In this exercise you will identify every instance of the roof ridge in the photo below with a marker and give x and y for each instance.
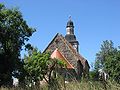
(51, 42)
(75, 53)
(66, 42)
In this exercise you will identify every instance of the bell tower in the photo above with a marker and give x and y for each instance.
(70, 37)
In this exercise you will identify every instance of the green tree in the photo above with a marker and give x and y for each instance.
(36, 65)
(112, 66)
(14, 32)
(107, 48)
(108, 59)
(39, 66)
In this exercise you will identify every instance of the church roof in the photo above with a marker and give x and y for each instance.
(73, 52)
(58, 55)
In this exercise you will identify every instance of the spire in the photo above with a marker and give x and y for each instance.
(70, 26)
(70, 23)
(70, 37)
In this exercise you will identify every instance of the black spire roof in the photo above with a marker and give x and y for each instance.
(70, 23)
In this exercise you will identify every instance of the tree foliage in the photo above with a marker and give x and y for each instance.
(107, 48)
(39, 66)
(108, 58)
(36, 65)
(14, 32)
(112, 66)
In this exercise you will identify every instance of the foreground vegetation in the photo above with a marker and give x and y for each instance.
(89, 85)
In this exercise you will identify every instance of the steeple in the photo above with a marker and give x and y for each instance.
(70, 26)
(70, 37)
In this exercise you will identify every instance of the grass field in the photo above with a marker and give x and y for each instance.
(89, 85)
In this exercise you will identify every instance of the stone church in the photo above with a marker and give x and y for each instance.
(67, 49)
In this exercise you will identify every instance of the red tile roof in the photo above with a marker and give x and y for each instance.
(58, 55)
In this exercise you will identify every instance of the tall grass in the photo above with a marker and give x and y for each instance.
(90, 85)
(83, 85)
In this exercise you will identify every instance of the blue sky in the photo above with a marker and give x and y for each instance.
(94, 21)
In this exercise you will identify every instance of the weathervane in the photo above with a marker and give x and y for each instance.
(70, 17)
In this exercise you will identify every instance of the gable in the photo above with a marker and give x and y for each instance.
(57, 54)
(66, 49)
